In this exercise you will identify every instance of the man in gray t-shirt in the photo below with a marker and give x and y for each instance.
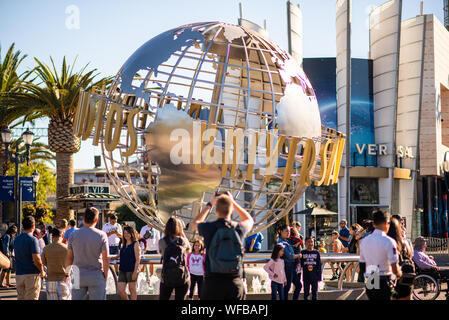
(88, 252)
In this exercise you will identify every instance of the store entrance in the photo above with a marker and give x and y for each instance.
(360, 213)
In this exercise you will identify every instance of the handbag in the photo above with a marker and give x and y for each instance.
(5, 263)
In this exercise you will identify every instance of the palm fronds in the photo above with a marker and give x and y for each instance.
(56, 96)
(11, 82)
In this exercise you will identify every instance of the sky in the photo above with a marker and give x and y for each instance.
(104, 33)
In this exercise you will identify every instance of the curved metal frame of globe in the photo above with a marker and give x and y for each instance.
(210, 107)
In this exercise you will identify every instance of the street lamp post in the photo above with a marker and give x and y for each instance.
(17, 159)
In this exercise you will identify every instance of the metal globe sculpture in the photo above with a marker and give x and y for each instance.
(210, 107)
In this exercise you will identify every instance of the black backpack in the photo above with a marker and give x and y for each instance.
(174, 266)
(408, 269)
(225, 252)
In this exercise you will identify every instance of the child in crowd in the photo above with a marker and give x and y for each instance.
(311, 265)
(295, 240)
(321, 248)
(276, 272)
(297, 244)
(337, 247)
(195, 263)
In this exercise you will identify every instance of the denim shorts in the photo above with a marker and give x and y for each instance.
(113, 250)
(125, 276)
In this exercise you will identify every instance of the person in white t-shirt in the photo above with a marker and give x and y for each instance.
(152, 237)
(114, 232)
(379, 252)
(39, 236)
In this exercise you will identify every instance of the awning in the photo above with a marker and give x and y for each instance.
(323, 212)
(91, 197)
(307, 211)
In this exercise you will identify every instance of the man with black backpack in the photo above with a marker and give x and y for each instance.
(224, 241)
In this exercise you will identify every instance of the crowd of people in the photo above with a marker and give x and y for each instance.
(75, 261)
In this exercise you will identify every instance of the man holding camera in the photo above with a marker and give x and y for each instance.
(223, 274)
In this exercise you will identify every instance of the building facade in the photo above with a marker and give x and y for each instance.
(399, 103)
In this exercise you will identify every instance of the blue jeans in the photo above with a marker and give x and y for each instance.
(292, 277)
(277, 288)
(92, 284)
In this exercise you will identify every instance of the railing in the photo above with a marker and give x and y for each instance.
(262, 258)
(437, 245)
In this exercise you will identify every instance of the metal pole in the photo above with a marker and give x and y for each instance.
(348, 112)
(17, 189)
(20, 206)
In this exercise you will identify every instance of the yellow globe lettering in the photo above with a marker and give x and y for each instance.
(110, 140)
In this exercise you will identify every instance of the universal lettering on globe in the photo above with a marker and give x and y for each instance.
(203, 140)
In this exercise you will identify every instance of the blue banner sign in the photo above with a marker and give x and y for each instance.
(6, 189)
(27, 188)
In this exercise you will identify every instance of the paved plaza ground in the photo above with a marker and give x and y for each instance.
(442, 260)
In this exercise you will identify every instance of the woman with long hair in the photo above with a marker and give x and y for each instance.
(290, 263)
(401, 291)
(355, 231)
(7, 249)
(175, 274)
(129, 254)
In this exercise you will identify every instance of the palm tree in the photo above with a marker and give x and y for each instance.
(56, 97)
(10, 81)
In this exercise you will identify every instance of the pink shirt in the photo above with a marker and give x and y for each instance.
(195, 263)
(276, 267)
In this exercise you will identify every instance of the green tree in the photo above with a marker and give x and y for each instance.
(45, 187)
(47, 179)
(56, 97)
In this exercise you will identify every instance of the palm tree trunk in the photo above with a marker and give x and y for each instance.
(64, 178)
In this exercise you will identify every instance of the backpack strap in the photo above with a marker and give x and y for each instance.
(166, 243)
(226, 223)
